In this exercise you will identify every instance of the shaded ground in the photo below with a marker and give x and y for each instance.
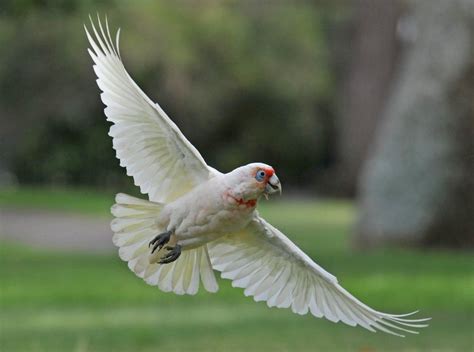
(70, 219)
(53, 229)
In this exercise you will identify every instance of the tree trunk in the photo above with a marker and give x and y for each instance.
(417, 187)
(374, 54)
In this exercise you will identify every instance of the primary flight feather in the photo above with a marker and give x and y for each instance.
(198, 219)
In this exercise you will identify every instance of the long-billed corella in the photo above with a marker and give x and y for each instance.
(198, 219)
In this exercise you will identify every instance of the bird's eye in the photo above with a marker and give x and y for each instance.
(260, 176)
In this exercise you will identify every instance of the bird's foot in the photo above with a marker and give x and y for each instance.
(160, 240)
(172, 255)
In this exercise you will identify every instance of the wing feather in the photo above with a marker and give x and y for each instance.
(163, 163)
(269, 267)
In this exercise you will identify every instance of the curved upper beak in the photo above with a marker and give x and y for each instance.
(273, 185)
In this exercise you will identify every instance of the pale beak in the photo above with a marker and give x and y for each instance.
(273, 185)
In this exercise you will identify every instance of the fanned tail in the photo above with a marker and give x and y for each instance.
(134, 227)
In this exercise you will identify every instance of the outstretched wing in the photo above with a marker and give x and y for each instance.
(271, 268)
(151, 147)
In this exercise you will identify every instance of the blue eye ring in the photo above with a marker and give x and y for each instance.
(260, 175)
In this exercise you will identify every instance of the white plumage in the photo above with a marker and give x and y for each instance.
(208, 215)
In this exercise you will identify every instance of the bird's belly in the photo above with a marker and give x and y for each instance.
(202, 227)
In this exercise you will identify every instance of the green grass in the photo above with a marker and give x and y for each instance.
(54, 301)
(85, 201)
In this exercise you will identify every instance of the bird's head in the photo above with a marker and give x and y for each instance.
(254, 180)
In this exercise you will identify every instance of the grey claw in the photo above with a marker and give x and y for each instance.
(174, 254)
(160, 240)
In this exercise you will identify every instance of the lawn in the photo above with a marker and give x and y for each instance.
(56, 301)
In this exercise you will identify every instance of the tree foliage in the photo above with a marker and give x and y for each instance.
(245, 82)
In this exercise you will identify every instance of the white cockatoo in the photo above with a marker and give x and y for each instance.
(198, 219)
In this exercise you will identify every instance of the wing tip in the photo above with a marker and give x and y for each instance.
(399, 322)
(102, 44)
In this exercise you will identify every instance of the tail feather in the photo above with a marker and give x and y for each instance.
(207, 273)
(134, 227)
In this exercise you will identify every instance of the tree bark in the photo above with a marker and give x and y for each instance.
(417, 187)
(374, 54)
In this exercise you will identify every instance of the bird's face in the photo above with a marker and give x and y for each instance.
(257, 179)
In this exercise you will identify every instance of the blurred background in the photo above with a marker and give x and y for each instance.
(365, 108)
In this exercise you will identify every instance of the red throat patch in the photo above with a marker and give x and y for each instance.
(239, 201)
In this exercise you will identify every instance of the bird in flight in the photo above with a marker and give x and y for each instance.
(198, 219)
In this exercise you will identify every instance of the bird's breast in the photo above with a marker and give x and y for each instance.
(208, 215)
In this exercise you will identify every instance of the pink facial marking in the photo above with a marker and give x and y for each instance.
(269, 172)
